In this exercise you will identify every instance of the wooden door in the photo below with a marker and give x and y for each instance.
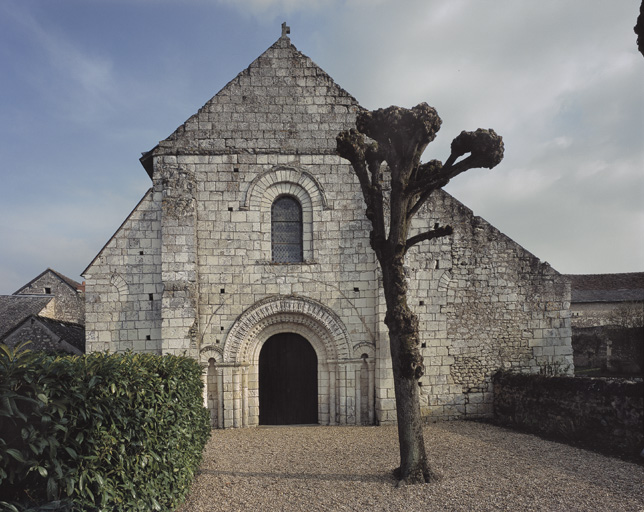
(288, 381)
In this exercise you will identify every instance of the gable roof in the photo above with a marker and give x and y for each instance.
(74, 334)
(74, 285)
(283, 102)
(607, 287)
(65, 336)
(14, 309)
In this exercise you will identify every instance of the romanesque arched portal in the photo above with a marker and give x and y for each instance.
(340, 372)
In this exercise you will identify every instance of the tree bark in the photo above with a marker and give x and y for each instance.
(408, 367)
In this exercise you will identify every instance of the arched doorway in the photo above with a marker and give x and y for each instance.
(288, 381)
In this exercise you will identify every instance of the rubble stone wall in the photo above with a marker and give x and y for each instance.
(605, 414)
(484, 304)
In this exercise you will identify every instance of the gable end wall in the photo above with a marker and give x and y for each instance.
(120, 283)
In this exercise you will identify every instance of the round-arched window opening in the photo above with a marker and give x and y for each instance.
(286, 230)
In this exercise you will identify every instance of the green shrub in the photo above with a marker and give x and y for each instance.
(99, 432)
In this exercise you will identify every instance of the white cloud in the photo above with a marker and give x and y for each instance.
(560, 81)
(270, 9)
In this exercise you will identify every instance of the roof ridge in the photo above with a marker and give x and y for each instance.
(67, 280)
(199, 134)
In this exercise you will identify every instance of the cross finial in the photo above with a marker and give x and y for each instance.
(285, 30)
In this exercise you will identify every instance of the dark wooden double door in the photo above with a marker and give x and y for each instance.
(288, 381)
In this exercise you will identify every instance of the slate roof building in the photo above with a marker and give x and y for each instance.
(49, 312)
(15, 309)
(70, 295)
(595, 297)
(250, 253)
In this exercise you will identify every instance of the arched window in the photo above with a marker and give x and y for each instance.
(286, 230)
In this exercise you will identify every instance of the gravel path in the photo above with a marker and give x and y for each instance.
(349, 468)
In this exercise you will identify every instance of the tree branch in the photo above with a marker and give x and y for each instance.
(437, 232)
(366, 160)
(485, 149)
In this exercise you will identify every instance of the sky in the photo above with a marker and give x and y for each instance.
(86, 86)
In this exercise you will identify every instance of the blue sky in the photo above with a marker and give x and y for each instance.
(87, 85)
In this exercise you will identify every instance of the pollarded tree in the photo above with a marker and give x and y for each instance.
(398, 136)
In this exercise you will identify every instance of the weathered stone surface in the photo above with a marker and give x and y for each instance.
(69, 303)
(190, 270)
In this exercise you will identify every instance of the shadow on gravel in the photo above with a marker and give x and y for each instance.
(378, 478)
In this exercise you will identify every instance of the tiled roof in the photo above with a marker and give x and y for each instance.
(73, 334)
(67, 337)
(71, 282)
(607, 287)
(14, 309)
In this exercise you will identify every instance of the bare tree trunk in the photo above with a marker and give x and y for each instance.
(407, 369)
(414, 466)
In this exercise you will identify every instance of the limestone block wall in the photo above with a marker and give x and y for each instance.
(50, 310)
(175, 189)
(235, 272)
(190, 271)
(484, 304)
(123, 286)
(283, 103)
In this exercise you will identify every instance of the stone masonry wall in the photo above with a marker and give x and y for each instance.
(234, 264)
(604, 414)
(69, 304)
(123, 286)
(484, 304)
(175, 189)
(199, 246)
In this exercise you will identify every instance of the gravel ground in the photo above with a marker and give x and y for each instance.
(349, 468)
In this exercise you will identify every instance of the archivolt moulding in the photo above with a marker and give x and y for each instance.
(281, 313)
(286, 175)
(210, 352)
(119, 283)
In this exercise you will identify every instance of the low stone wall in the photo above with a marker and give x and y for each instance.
(598, 413)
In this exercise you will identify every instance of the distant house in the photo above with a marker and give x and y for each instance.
(607, 318)
(69, 304)
(49, 311)
(595, 298)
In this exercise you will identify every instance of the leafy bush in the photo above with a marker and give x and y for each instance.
(99, 432)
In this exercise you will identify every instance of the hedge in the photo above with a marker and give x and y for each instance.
(99, 432)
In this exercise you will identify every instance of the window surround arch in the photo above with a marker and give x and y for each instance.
(285, 181)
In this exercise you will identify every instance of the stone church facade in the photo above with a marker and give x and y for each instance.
(251, 253)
